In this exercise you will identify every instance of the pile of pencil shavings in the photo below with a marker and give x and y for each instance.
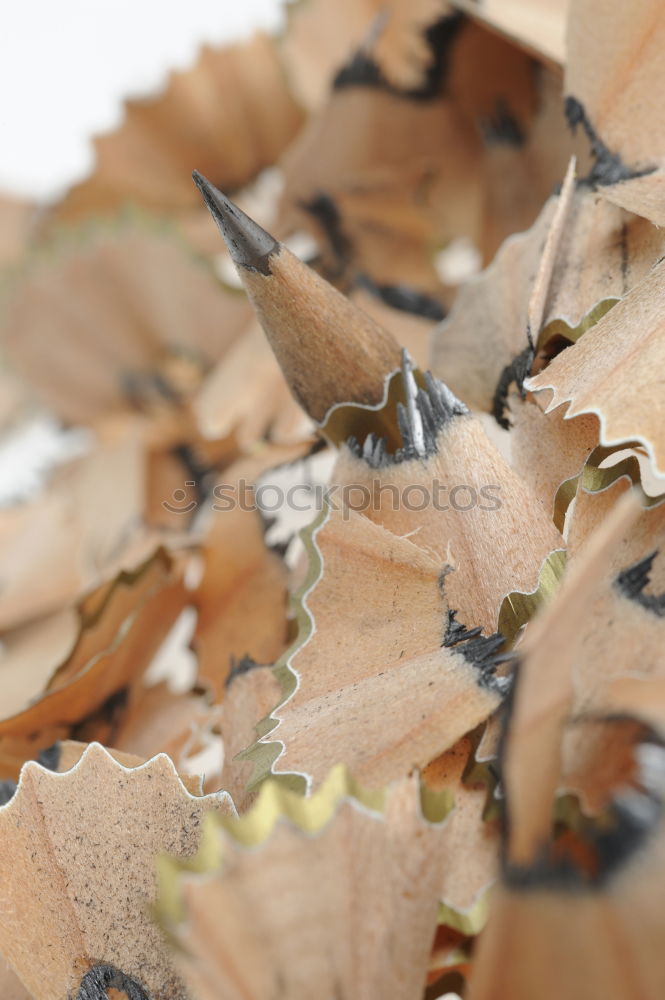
(367, 529)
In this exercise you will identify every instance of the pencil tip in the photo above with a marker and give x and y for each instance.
(250, 246)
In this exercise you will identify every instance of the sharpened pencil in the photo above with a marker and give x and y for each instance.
(330, 351)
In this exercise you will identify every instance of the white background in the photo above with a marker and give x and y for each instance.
(65, 66)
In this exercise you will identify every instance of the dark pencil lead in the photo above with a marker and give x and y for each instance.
(410, 417)
(425, 413)
(250, 246)
(406, 433)
(368, 448)
(415, 432)
(419, 420)
(445, 404)
(481, 651)
(373, 451)
(457, 632)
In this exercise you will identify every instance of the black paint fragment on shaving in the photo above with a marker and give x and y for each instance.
(363, 71)
(404, 298)
(502, 128)
(99, 980)
(323, 209)
(240, 666)
(516, 372)
(608, 168)
(632, 581)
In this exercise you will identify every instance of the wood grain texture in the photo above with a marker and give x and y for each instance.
(66, 833)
